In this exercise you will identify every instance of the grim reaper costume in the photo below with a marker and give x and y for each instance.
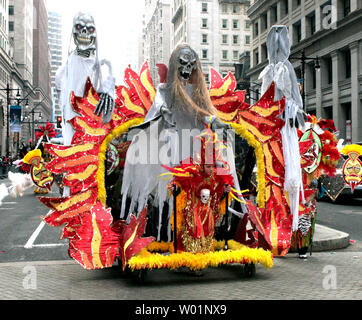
(181, 110)
(281, 72)
(83, 63)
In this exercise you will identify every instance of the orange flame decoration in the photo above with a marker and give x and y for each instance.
(86, 221)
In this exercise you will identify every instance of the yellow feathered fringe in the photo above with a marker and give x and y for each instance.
(244, 133)
(237, 253)
(102, 196)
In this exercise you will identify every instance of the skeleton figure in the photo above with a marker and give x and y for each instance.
(205, 196)
(181, 108)
(82, 63)
(187, 61)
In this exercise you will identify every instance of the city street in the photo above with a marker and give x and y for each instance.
(325, 275)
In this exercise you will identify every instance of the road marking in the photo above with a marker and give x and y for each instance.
(49, 245)
(35, 234)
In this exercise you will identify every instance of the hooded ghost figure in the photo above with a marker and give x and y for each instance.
(282, 73)
(181, 108)
(82, 63)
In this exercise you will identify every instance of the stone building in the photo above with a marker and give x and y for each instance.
(56, 51)
(218, 30)
(330, 30)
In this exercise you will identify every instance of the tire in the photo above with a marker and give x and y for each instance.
(141, 276)
(249, 270)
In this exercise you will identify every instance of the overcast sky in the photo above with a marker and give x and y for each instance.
(118, 25)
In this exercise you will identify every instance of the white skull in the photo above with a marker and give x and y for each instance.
(205, 195)
(84, 32)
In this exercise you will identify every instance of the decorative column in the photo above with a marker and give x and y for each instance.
(337, 118)
(355, 101)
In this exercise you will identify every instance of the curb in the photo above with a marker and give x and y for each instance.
(327, 239)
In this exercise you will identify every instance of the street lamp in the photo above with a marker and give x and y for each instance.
(303, 60)
(8, 102)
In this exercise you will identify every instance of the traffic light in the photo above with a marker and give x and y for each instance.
(59, 122)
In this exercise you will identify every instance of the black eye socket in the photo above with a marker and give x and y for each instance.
(78, 26)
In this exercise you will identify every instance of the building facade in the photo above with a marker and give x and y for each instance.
(157, 35)
(41, 61)
(329, 30)
(56, 51)
(218, 30)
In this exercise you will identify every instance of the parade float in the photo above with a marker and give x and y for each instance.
(173, 214)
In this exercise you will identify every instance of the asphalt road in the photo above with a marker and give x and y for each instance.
(23, 237)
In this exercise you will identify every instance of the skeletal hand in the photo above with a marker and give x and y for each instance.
(167, 115)
(105, 106)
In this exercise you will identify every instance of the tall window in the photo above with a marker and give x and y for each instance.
(204, 23)
(235, 39)
(235, 8)
(224, 39)
(224, 23)
(297, 32)
(247, 24)
(235, 24)
(204, 7)
(247, 39)
(11, 10)
(256, 29)
(204, 53)
(347, 63)
(224, 8)
(346, 7)
(235, 55)
(204, 38)
(224, 54)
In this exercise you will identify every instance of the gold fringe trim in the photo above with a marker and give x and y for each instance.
(198, 261)
(244, 133)
(102, 196)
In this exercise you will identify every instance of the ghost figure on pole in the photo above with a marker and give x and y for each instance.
(83, 63)
(281, 72)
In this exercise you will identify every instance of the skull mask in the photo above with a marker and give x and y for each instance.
(187, 64)
(205, 195)
(84, 32)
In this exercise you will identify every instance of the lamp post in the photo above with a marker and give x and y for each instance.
(8, 102)
(303, 58)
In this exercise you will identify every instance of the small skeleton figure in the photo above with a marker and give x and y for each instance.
(83, 63)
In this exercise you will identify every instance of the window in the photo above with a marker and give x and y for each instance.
(264, 52)
(297, 32)
(285, 7)
(204, 7)
(11, 25)
(256, 28)
(347, 63)
(264, 21)
(204, 23)
(207, 79)
(274, 13)
(247, 39)
(224, 8)
(346, 7)
(235, 55)
(224, 39)
(224, 54)
(235, 8)
(256, 57)
(204, 38)
(235, 39)
(224, 23)
(329, 69)
(247, 24)
(311, 23)
(204, 54)
(11, 10)
(235, 24)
